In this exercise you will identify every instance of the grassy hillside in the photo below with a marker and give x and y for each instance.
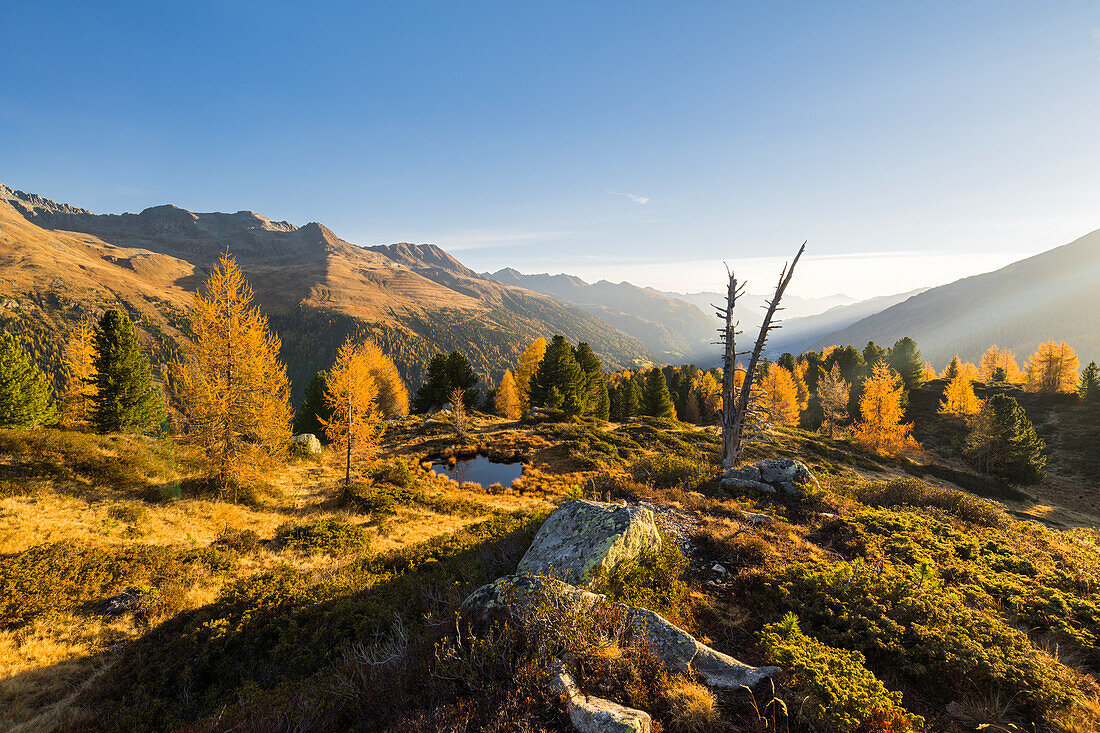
(309, 608)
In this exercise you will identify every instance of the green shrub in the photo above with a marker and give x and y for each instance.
(841, 694)
(396, 472)
(671, 472)
(331, 535)
(238, 540)
(911, 492)
(653, 580)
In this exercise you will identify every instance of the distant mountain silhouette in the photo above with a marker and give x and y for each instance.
(1055, 294)
(674, 330)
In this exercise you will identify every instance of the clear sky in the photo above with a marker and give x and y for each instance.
(909, 142)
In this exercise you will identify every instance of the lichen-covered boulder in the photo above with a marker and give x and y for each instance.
(679, 651)
(306, 443)
(590, 714)
(779, 474)
(508, 598)
(582, 536)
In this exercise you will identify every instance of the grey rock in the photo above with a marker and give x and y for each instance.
(745, 473)
(309, 441)
(785, 471)
(679, 650)
(508, 598)
(583, 536)
(728, 483)
(120, 603)
(590, 714)
(758, 520)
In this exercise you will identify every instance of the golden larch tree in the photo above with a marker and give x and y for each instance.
(779, 397)
(76, 400)
(959, 399)
(969, 371)
(710, 394)
(997, 358)
(880, 428)
(528, 364)
(833, 392)
(354, 399)
(393, 395)
(928, 372)
(799, 374)
(507, 401)
(228, 385)
(1052, 369)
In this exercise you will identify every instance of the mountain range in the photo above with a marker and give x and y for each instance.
(60, 263)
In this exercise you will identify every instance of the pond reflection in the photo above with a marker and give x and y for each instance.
(480, 470)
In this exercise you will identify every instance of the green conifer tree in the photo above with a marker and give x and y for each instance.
(594, 377)
(633, 401)
(314, 408)
(1003, 442)
(602, 410)
(1090, 383)
(559, 371)
(24, 391)
(905, 359)
(435, 391)
(126, 400)
(658, 402)
(872, 353)
(460, 375)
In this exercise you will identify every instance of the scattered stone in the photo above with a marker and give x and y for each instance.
(826, 515)
(582, 536)
(736, 483)
(718, 568)
(309, 443)
(759, 520)
(124, 602)
(590, 714)
(508, 597)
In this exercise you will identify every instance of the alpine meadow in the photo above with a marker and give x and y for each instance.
(676, 368)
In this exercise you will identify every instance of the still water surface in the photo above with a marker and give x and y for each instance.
(480, 470)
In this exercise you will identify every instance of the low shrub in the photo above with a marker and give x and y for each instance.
(238, 540)
(671, 472)
(911, 492)
(331, 535)
(127, 513)
(841, 694)
(653, 580)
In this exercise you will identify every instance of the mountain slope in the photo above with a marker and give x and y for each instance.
(800, 334)
(674, 330)
(60, 263)
(1051, 295)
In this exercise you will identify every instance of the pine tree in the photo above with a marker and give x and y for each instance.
(997, 358)
(446, 372)
(528, 364)
(1052, 369)
(352, 397)
(952, 369)
(658, 402)
(881, 430)
(593, 376)
(559, 371)
(506, 401)
(126, 398)
(1003, 442)
(314, 411)
(1090, 383)
(76, 399)
(905, 359)
(24, 390)
(435, 390)
(852, 365)
(959, 399)
(780, 396)
(229, 384)
(602, 410)
(634, 400)
(872, 354)
(833, 394)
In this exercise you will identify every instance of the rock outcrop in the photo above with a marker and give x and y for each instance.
(582, 537)
(779, 474)
(307, 443)
(594, 714)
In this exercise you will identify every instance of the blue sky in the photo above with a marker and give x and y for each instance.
(910, 143)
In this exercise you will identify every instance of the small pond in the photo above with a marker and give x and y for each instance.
(479, 470)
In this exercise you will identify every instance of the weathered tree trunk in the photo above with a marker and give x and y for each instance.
(737, 412)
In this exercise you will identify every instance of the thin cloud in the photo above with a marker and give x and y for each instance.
(632, 197)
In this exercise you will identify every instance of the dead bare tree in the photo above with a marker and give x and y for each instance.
(738, 414)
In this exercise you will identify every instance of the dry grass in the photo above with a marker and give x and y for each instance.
(692, 707)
